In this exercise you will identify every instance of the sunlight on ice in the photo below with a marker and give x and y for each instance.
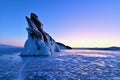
(93, 55)
(90, 53)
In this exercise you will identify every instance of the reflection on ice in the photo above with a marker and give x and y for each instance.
(94, 55)
(89, 53)
(99, 63)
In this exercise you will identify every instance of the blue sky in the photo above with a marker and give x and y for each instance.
(78, 23)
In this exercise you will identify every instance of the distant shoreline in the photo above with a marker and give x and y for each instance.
(109, 48)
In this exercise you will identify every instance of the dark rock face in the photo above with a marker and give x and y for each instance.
(39, 42)
(62, 46)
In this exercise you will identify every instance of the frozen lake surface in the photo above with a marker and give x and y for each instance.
(65, 65)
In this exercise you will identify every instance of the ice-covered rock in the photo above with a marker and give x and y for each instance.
(38, 42)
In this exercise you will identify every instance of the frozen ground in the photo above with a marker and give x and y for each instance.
(65, 65)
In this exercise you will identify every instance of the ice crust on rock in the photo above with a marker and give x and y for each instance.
(39, 42)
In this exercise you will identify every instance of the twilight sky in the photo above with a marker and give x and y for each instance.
(77, 23)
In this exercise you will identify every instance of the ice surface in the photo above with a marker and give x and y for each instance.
(65, 65)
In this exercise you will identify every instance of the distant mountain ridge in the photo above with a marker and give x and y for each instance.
(108, 48)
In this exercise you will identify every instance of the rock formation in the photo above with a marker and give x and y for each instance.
(38, 42)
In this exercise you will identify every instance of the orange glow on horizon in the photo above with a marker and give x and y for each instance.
(88, 43)
(20, 44)
(82, 42)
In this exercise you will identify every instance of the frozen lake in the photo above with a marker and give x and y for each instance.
(65, 65)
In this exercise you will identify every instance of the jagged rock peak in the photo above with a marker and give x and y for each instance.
(38, 42)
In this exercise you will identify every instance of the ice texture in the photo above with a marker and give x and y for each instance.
(64, 65)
